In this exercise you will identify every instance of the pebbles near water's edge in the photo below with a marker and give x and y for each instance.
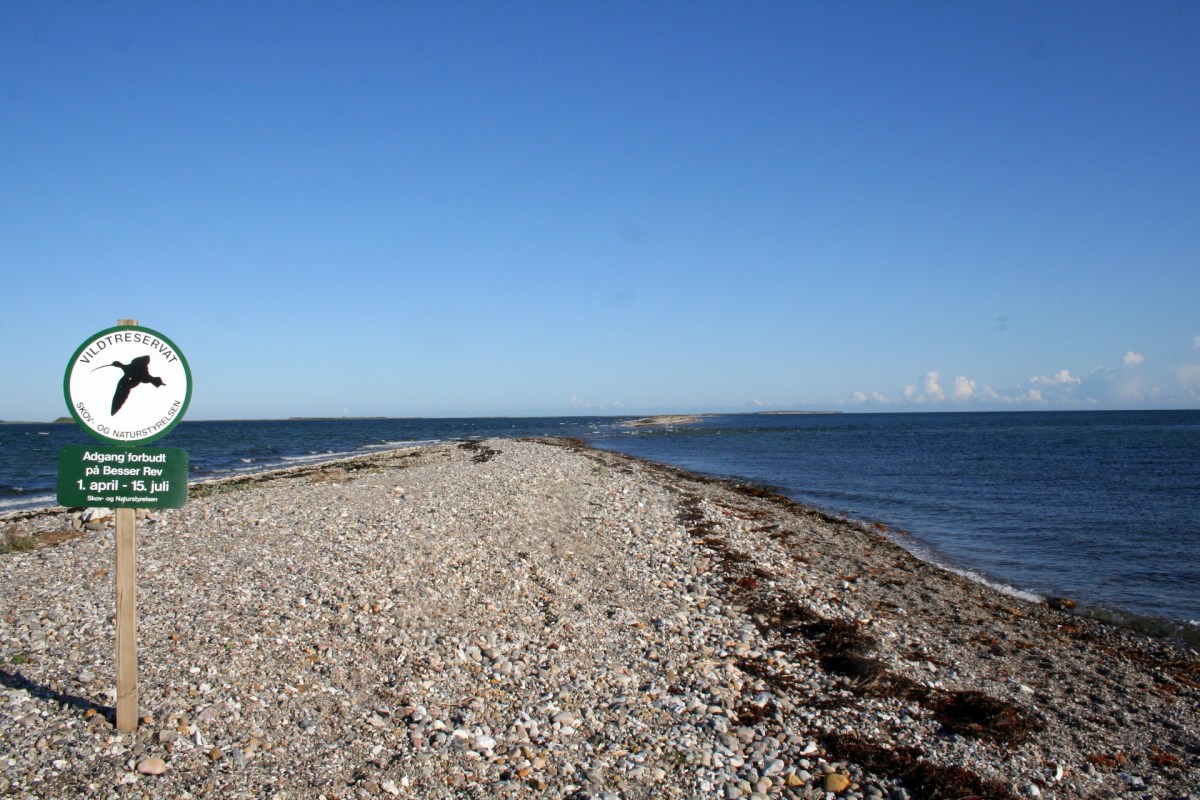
(538, 619)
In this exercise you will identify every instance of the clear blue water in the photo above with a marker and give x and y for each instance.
(1101, 507)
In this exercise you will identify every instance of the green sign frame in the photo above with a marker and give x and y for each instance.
(151, 414)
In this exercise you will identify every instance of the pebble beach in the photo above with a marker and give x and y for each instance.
(538, 619)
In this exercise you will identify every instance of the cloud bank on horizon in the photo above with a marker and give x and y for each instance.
(1130, 383)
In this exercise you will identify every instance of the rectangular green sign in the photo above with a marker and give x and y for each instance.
(122, 477)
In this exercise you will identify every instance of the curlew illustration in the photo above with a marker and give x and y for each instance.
(136, 372)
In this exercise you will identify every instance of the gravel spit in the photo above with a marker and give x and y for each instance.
(536, 619)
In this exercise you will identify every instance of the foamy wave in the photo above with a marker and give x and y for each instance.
(404, 443)
(33, 501)
(316, 457)
(999, 586)
(929, 555)
(249, 466)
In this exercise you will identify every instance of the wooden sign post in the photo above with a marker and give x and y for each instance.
(125, 477)
(127, 686)
(126, 572)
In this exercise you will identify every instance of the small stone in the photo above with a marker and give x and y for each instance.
(152, 766)
(836, 782)
(390, 787)
(564, 718)
(214, 754)
(1134, 781)
(793, 780)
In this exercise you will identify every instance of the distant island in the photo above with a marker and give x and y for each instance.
(801, 413)
(312, 419)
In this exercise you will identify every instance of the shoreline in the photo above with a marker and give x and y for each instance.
(1176, 630)
(536, 618)
(1172, 630)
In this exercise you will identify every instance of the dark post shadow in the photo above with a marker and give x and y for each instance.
(15, 680)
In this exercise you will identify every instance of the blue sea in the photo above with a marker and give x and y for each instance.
(1101, 507)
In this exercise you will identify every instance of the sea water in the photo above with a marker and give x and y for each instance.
(1100, 507)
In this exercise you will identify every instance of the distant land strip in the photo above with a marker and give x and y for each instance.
(800, 413)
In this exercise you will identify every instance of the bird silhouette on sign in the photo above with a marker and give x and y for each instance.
(136, 372)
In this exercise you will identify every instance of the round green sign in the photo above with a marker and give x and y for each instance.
(128, 385)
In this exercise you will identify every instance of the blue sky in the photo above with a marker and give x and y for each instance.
(445, 209)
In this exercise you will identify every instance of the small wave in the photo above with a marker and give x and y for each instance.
(32, 501)
(929, 555)
(1183, 630)
(999, 586)
(314, 457)
(404, 443)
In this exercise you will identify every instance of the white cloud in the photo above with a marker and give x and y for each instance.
(929, 385)
(992, 395)
(1128, 384)
(1196, 343)
(929, 391)
(576, 402)
(1062, 378)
